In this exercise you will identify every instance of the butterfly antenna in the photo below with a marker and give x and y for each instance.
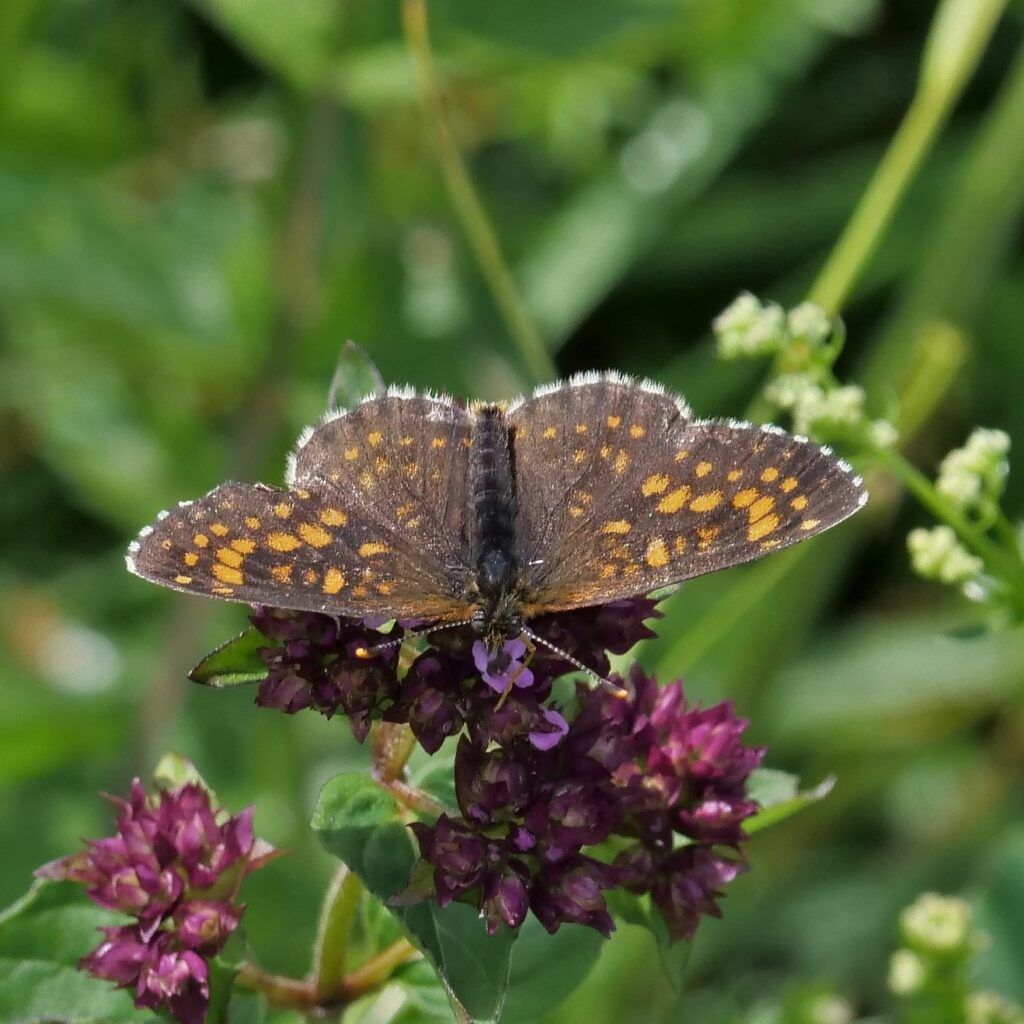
(615, 689)
(372, 652)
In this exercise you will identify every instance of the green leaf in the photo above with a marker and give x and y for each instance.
(234, 662)
(175, 770)
(546, 969)
(780, 796)
(355, 376)
(42, 938)
(358, 821)
(640, 911)
(1000, 912)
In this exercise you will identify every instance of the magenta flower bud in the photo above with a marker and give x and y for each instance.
(204, 926)
(179, 981)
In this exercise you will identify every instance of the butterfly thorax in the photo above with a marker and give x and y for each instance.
(495, 584)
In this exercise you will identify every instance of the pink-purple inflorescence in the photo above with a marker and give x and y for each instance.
(556, 805)
(174, 867)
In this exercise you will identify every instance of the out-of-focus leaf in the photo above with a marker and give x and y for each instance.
(234, 663)
(1000, 909)
(641, 911)
(546, 969)
(780, 796)
(175, 770)
(355, 376)
(358, 821)
(297, 39)
(42, 937)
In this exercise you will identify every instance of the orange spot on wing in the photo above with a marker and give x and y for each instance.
(333, 517)
(281, 573)
(706, 502)
(579, 455)
(219, 529)
(375, 438)
(405, 441)
(707, 534)
(580, 428)
(334, 580)
(809, 524)
(703, 468)
(616, 526)
(637, 431)
(621, 462)
(244, 545)
(184, 580)
(283, 542)
(682, 456)
(760, 508)
(315, 536)
(654, 484)
(657, 554)
(674, 500)
(351, 454)
(438, 442)
(733, 475)
(371, 548)
(190, 558)
(799, 502)
(770, 474)
(764, 526)
(741, 499)
(788, 484)
(549, 432)
(229, 557)
(282, 510)
(200, 540)
(613, 421)
(227, 574)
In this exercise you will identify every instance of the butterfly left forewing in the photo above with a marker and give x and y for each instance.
(654, 499)
(299, 549)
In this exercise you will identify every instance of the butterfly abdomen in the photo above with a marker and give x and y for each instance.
(492, 502)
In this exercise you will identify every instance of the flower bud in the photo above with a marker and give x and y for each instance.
(937, 554)
(749, 328)
(937, 924)
(907, 972)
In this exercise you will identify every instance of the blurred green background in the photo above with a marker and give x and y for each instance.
(199, 202)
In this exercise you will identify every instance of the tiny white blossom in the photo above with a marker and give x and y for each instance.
(906, 972)
(936, 923)
(809, 322)
(990, 1008)
(937, 554)
(883, 434)
(748, 327)
(830, 1009)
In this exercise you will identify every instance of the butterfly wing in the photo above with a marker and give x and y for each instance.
(621, 492)
(374, 523)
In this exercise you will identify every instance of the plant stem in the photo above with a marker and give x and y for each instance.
(959, 34)
(392, 745)
(469, 209)
(338, 911)
(376, 971)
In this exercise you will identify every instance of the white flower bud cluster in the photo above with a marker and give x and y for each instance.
(936, 554)
(973, 477)
(818, 411)
(938, 924)
(829, 1008)
(809, 323)
(748, 327)
(990, 1008)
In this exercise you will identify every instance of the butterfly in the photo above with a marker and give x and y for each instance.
(413, 506)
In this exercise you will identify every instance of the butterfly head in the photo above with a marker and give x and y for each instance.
(497, 616)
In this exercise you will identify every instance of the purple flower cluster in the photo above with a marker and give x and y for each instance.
(644, 793)
(175, 866)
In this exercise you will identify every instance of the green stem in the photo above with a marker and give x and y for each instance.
(960, 31)
(375, 972)
(337, 913)
(476, 225)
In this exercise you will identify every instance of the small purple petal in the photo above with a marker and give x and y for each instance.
(548, 738)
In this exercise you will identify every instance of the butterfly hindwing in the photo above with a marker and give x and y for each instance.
(637, 495)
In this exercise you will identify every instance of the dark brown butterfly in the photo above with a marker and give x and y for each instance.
(412, 506)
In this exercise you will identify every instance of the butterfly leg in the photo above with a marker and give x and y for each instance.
(531, 650)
